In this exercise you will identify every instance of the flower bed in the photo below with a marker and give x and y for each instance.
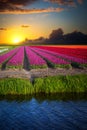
(35, 60)
(75, 52)
(50, 57)
(7, 55)
(61, 55)
(17, 59)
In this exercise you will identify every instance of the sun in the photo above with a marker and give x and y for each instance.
(16, 40)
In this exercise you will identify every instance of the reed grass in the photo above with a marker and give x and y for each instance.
(15, 86)
(47, 85)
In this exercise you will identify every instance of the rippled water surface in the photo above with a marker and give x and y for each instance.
(43, 113)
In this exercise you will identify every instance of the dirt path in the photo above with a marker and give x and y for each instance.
(15, 73)
(57, 71)
(34, 73)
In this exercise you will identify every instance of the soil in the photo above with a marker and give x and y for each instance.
(26, 64)
(35, 73)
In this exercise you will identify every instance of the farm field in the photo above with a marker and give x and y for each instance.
(43, 65)
(33, 57)
(46, 68)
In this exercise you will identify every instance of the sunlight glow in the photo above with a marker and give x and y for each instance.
(16, 40)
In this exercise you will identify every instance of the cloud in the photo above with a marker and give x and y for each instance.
(24, 26)
(14, 5)
(80, 1)
(65, 2)
(3, 29)
(29, 11)
(18, 6)
(17, 2)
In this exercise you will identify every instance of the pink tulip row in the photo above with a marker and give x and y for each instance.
(66, 57)
(33, 58)
(4, 57)
(17, 59)
(50, 57)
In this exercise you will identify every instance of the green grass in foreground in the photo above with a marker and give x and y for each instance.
(56, 84)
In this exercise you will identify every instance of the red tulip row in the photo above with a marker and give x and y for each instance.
(75, 52)
(50, 57)
(64, 53)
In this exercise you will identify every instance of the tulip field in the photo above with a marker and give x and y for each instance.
(17, 59)
(67, 57)
(43, 56)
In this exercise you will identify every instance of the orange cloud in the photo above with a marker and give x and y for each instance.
(17, 6)
(3, 29)
(29, 11)
(24, 26)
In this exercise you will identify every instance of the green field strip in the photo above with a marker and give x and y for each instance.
(38, 66)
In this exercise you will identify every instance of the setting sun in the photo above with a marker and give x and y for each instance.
(16, 40)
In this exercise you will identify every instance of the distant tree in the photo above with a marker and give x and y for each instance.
(56, 34)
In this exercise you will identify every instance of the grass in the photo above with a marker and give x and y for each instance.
(15, 86)
(6, 47)
(21, 66)
(47, 85)
(67, 66)
(84, 65)
(14, 66)
(38, 66)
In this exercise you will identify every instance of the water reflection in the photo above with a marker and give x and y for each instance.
(42, 97)
(41, 112)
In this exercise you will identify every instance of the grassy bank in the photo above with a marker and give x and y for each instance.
(56, 84)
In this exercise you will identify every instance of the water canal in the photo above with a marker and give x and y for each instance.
(51, 112)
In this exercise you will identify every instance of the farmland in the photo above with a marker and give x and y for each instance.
(45, 69)
(32, 57)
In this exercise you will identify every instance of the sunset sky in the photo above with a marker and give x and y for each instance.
(21, 19)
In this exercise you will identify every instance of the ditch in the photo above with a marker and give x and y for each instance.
(26, 64)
